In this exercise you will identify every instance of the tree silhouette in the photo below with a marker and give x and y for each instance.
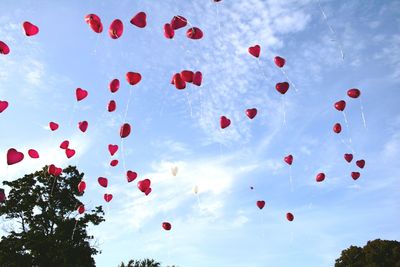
(46, 229)
(141, 263)
(376, 253)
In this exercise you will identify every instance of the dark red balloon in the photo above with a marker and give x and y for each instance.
(355, 175)
(108, 197)
(81, 209)
(133, 78)
(114, 163)
(148, 191)
(224, 122)
(131, 176)
(64, 144)
(288, 159)
(320, 177)
(178, 22)
(14, 156)
(167, 226)
(139, 20)
(112, 149)
(360, 163)
(33, 153)
(354, 93)
(81, 186)
(187, 76)
(337, 128)
(114, 85)
(3, 106)
(112, 105)
(260, 204)
(340, 105)
(255, 50)
(4, 49)
(116, 29)
(251, 113)
(197, 78)
(194, 33)
(81, 94)
(30, 29)
(83, 125)
(103, 181)
(144, 185)
(53, 126)
(2, 195)
(289, 216)
(282, 87)
(94, 22)
(69, 153)
(279, 61)
(178, 81)
(125, 130)
(169, 32)
(348, 157)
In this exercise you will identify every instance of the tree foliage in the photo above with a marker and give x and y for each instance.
(376, 253)
(141, 263)
(46, 229)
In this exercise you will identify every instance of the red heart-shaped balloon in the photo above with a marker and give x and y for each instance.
(139, 20)
(320, 177)
(69, 152)
(288, 159)
(197, 78)
(51, 169)
(114, 85)
(167, 226)
(260, 204)
(53, 126)
(255, 50)
(178, 22)
(116, 29)
(148, 191)
(187, 76)
(125, 130)
(133, 78)
(14, 156)
(33, 153)
(355, 175)
(3, 105)
(4, 49)
(64, 144)
(112, 105)
(194, 33)
(102, 181)
(348, 157)
(108, 197)
(81, 186)
(30, 29)
(224, 122)
(360, 163)
(112, 149)
(81, 209)
(340, 105)
(337, 128)
(83, 125)
(2, 195)
(94, 22)
(114, 163)
(289, 216)
(251, 113)
(354, 93)
(57, 171)
(81, 94)
(130, 176)
(143, 185)
(282, 87)
(279, 61)
(168, 31)
(178, 81)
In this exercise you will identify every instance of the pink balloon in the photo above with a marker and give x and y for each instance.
(69, 152)
(83, 125)
(81, 94)
(108, 197)
(112, 149)
(288, 159)
(139, 20)
(14, 156)
(30, 29)
(64, 144)
(4, 49)
(143, 185)
(3, 106)
(33, 153)
(53, 126)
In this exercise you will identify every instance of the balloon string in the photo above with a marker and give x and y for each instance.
(284, 110)
(291, 178)
(348, 146)
(198, 201)
(122, 140)
(347, 127)
(287, 77)
(73, 231)
(362, 114)
(54, 183)
(335, 39)
(190, 104)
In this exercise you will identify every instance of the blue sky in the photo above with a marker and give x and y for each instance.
(223, 227)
